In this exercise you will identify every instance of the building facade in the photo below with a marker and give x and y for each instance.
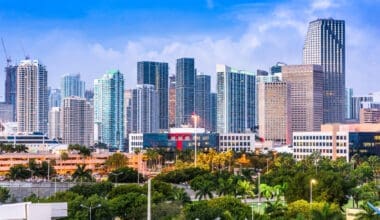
(185, 90)
(306, 94)
(32, 96)
(157, 74)
(349, 95)
(109, 108)
(55, 123)
(127, 112)
(145, 117)
(202, 101)
(275, 112)
(236, 100)
(369, 115)
(77, 121)
(213, 107)
(11, 88)
(72, 85)
(325, 46)
(172, 98)
(54, 98)
(238, 142)
(6, 112)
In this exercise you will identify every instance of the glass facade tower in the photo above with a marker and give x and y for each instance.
(71, 85)
(108, 109)
(325, 45)
(202, 101)
(236, 100)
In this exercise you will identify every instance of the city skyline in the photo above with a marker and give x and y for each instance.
(253, 29)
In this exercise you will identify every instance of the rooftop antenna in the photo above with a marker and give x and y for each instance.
(8, 58)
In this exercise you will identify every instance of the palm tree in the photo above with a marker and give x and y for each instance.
(275, 209)
(326, 213)
(81, 173)
(266, 190)
(224, 186)
(245, 188)
(367, 214)
(204, 190)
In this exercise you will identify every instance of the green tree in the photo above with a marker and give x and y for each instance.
(326, 213)
(116, 161)
(124, 175)
(131, 205)
(82, 174)
(19, 172)
(204, 185)
(367, 214)
(245, 188)
(4, 194)
(89, 189)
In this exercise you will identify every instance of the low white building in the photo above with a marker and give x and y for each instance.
(237, 142)
(33, 211)
(135, 141)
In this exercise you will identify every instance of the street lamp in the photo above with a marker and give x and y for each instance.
(195, 118)
(116, 175)
(90, 208)
(312, 181)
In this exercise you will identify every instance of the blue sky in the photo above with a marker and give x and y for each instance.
(90, 37)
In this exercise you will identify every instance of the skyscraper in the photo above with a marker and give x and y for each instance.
(172, 104)
(32, 96)
(77, 121)
(11, 88)
(127, 112)
(185, 90)
(213, 107)
(274, 112)
(156, 73)
(306, 94)
(349, 94)
(325, 45)
(144, 104)
(236, 100)
(55, 123)
(54, 98)
(71, 85)
(108, 108)
(202, 101)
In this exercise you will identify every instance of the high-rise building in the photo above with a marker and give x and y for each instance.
(325, 45)
(348, 101)
(77, 121)
(89, 95)
(213, 107)
(277, 68)
(185, 91)
(359, 102)
(127, 112)
(306, 94)
(156, 73)
(32, 96)
(202, 101)
(144, 115)
(11, 88)
(109, 108)
(172, 101)
(55, 123)
(54, 98)
(236, 100)
(6, 112)
(274, 112)
(369, 115)
(72, 85)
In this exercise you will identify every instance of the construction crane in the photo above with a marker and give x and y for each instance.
(8, 58)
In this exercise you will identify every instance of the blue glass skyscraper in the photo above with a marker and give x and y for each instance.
(71, 85)
(108, 109)
(185, 89)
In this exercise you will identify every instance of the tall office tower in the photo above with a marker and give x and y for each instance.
(71, 85)
(348, 101)
(213, 107)
(185, 91)
(77, 121)
(306, 94)
(156, 73)
(55, 123)
(325, 45)
(89, 95)
(127, 112)
(54, 98)
(359, 102)
(172, 101)
(11, 88)
(6, 112)
(32, 96)
(236, 100)
(274, 112)
(144, 109)
(202, 101)
(108, 108)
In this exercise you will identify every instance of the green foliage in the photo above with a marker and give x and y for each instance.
(116, 161)
(181, 176)
(82, 174)
(82, 150)
(125, 189)
(204, 185)
(316, 211)
(129, 206)
(124, 175)
(223, 207)
(42, 169)
(166, 211)
(101, 189)
(9, 148)
(4, 194)
(19, 172)
(367, 213)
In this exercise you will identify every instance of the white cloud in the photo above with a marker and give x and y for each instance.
(323, 4)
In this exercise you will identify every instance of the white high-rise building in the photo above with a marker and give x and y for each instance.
(145, 114)
(77, 120)
(32, 96)
(55, 123)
